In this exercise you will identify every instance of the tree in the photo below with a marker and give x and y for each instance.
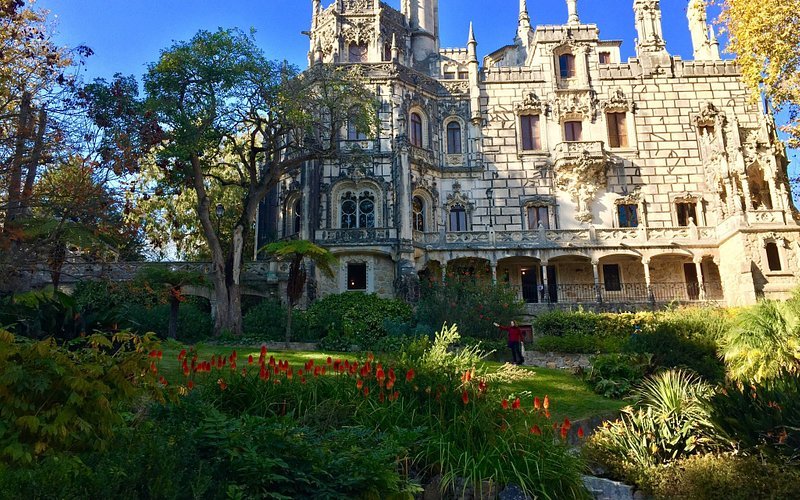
(297, 252)
(172, 283)
(219, 105)
(765, 36)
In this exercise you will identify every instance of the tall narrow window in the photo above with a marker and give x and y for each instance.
(617, 130)
(628, 215)
(686, 211)
(353, 131)
(537, 216)
(453, 138)
(415, 132)
(773, 257)
(611, 278)
(566, 64)
(605, 57)
(357, 53)
(387, 51)
(298, 216)
(418, 214)
(357, 276)
(458, 218)
(573, 131)
(531, 139)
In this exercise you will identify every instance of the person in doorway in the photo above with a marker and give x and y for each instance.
(515, 335)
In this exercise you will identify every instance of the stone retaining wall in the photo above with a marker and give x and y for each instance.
(558, 361)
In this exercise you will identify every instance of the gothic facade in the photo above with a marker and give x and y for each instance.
(552, 165)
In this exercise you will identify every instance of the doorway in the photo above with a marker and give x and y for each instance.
(530, 286)
(692, 282)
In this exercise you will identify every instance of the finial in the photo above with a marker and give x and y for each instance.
(523, 11)
(572, 9)
(395, 48)
(471, 34)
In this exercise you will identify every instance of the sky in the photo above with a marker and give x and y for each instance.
(126, 35)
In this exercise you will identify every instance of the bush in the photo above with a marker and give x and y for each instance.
(761, 419)
(671, 422)
(579, 344)
(615, 375)
(587, 324)
(673, 348)
(705, 477)
(194, 324)
(471, 302)
(354, 319)
(267, 322)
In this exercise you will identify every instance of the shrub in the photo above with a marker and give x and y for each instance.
(57, 399)
(473, 302)
(673, 348)
(266, 321)
(710, 476)
(581, 323)
(579, 343)
(760, 419)
(615, 375)
(194, 324)
(349, 319)
(765, 343)
(671, 422)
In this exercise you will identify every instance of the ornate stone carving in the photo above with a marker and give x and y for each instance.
(358, 31)
(708, 116)
(357, 5)
(617, 103)
(582, 177)
(461, 87)
(579, 104)
(531, 104)
(632, 198)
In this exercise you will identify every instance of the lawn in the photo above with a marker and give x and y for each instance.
(569, 395)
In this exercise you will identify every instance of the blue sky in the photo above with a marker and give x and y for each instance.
(126, 35)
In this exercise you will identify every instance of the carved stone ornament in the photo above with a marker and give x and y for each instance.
(458, 198)
(686, 197)
(708, 115)
(617, 103)
(358, 31)
(357, 5)
(632, 198)
(773, 237)
(582, 179)
(531, 104)
(574, 104)
(539, 200)
(456, 87)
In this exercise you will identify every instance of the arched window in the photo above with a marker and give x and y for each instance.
(458, 218)
(358, 53)
(292, 217)
(358, 211)
(454, 138)
(418, 214)
(415, 132)
(297, 213)
(353, 132)
(566, 65)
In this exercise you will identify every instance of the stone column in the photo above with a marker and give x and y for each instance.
(444, 272)
(698, 264)
(596, 273)
(774, 195)
(546, 286)
(648, 285)
(493, 265)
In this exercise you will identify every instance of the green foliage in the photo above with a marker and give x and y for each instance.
(729, 477)
(673, 347)
(57, 399)
(671, 422)
(579, 343)
(582, 323)
(194, 323)
(760, 419)
(765, 343)
(472, 301)
(615, 375)
(265, 321)
(349, 319)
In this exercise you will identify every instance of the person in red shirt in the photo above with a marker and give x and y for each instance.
(515, 336)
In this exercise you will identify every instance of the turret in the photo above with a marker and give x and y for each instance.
(423, 18)
(524, 30)
(474, 86)
(651, 48)
(704, 41)
(572, 10)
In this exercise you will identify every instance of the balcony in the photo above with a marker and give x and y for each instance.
(366, 236)
(625, 293)
(573, 153)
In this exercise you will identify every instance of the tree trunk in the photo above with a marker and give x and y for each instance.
(289, 325)
(18, 160)
(174, 305)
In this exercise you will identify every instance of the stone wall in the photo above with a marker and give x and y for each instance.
(557, 361)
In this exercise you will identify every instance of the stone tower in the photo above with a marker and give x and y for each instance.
(423, 18)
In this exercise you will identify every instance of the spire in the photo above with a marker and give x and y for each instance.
(524, 31)
(704, 40)
(472, 44)
(572, 9)
(395, 48)
(712, 37)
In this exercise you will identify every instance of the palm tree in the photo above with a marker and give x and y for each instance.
(765, 343)
(172, 283)
(296, 252)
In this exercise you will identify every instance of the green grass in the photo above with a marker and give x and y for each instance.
(569, 395)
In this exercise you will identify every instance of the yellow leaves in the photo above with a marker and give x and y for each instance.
(6, 336)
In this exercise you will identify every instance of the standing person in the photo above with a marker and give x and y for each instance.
(514, 341)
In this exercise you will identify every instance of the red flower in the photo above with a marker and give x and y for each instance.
(263, 350)
(396, 395)
(360, 384)
(160, 355)
(536, 430)
(222, 384)
(153, 367)
(382, 397)
(182, 355)
(505, 404)
(370, 357)
(366, 391)
(163, 381)
(467, 376)
(546, 404)
(190, 385)
(250, 359)
(537, 403)
(567, 423)
(465, 397)
(329, 360)
(482, 386)
(410, 375)
(564, 432)
(234, 355)
(517, 403)
(580, 433)
(547, 413)
(380, 376)
(389, 385)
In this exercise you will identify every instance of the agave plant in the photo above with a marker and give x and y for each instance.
(765, 343)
